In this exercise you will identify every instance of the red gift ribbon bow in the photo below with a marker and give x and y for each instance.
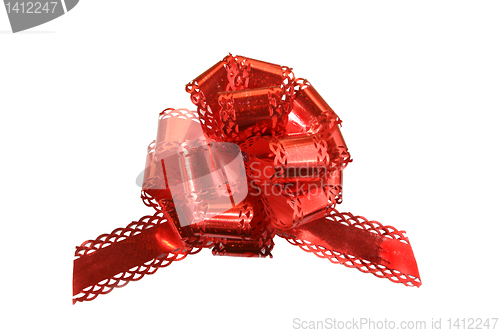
(294, 154)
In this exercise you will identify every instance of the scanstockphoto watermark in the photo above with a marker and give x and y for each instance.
(387, 324)
(272, 181)
(357, 324)
(203, 178)
(267, 180)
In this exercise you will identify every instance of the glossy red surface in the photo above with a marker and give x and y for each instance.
(356, 242)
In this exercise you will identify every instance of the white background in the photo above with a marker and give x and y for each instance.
(415, 83)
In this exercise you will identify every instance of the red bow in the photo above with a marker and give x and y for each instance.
(263, 155)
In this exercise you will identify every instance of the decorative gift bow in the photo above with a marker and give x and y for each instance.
(263, 155)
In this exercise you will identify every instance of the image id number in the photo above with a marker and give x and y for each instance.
(31, 7)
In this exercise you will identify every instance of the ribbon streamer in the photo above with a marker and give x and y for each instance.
(263, 155)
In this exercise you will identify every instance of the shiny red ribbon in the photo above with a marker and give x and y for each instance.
(294, 155)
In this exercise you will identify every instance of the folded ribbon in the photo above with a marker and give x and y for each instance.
(263, 155)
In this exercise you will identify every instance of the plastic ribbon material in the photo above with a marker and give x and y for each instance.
(263, 155)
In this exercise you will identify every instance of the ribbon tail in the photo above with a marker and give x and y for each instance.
(127, 254)
(353, 241)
